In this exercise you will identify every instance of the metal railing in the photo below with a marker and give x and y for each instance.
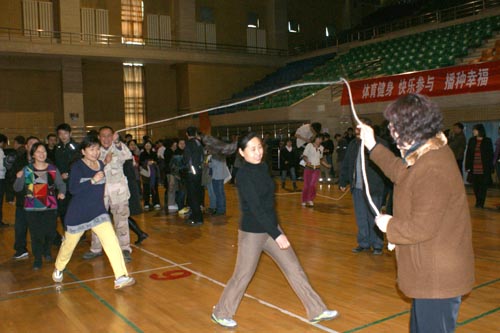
(71, 38)
(444, 15)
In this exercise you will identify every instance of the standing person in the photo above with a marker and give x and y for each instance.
(306, 133)
(368, 236)
(150, 174)
(87, 211)
(170, 184)
(206, 182)
(134, 202)
(220, 175)
(3, 170)
(313, 156)
(431, 226)
(289, 163)
(12, 166)
(328, 150)
(116, 192)
(349, 135)
(193, 158)
(479, 162)
(39, 181)
(457, 144)
(21, 224)
(340, 149)
(66, 152)
(51, 145)
(132, 146)
(496, 157)
(259, 231)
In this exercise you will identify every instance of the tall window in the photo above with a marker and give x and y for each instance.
(135, 103)
(132, 18)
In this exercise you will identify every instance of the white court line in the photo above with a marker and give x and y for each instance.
(321, 327)
(94, 279)
(318, 195)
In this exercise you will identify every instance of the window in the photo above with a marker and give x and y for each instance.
(134, 98)
(253, 21)
(293, 27)
(132, 18)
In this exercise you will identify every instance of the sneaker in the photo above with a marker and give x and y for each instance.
(57, 276)
(20, 256)
(303, 204)
(359, 249)
(91, 255)
(172, 208)
(157, 207)
(126, 256)
(146, 207)
(310, 204)
(184, 211)
(377, 252)
(124, 281)
(325, 315)
(224, 322)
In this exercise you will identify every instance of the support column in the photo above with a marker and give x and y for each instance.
(72, 93)
(69, 19)
(185, 20)
(278, 25)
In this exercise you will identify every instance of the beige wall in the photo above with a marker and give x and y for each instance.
(210, 84)
(30, 101)
(161, 99)
(11, 15)
(103, 94)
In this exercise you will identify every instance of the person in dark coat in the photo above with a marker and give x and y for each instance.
(369, 236)
(288, 163)
(479, 162)
(134, 202)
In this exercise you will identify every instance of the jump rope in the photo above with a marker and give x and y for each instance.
(250, 99)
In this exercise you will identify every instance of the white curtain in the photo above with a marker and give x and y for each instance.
(132, 20)
(135, 104)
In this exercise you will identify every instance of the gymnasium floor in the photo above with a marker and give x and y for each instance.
(181, 272)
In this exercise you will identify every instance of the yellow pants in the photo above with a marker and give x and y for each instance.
(107, 236)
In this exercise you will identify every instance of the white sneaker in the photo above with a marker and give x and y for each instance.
(124, 281)
(224, 322)
(310, 204)
(57, 276)
(303, 204)
(325, 315)
(173, 208)
(157, 207)
(146, 207)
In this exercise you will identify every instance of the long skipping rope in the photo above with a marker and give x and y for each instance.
(250, 99)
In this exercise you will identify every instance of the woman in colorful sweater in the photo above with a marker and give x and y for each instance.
(40, 180)
(87, 211)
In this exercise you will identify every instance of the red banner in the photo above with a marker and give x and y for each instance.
(437, 82)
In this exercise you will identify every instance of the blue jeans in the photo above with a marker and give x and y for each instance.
(369, 234)
(211, 195)
(434, 315)
(292, 174)
(218, 185)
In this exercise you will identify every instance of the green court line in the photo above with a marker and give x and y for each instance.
(45, 292)
(408, 311)
(378, 321)
(465, 322)
(104, 302)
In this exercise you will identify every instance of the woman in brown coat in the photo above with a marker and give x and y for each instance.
(431, 223)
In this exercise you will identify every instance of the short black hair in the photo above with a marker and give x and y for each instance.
(20, 139)
(35, 147)
(51, 135)
(245, 138)
(459, 125)
(31, 137)
(316, 127)
(89, 141)
(191, 131)
(106, 127)
(480, 129)
(63, 127)
(3, 138)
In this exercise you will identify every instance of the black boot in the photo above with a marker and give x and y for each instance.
(294, 186)
(141, 235)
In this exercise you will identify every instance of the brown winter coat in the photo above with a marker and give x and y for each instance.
(431, 222)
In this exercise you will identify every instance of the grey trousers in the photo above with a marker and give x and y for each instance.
(250, 247)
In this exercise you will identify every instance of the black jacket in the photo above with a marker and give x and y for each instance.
(376, 178)
(486, 155)
(193, 156)
(288, 159)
